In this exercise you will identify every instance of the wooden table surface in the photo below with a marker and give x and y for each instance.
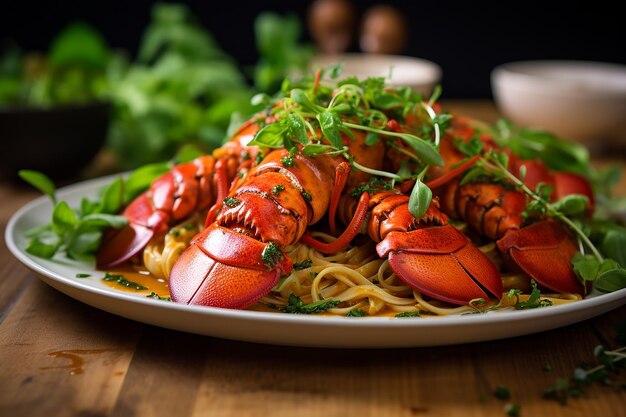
(59, 357)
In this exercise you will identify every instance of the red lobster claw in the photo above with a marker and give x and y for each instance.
(441, 262)
(119, 245)
(224, 268)
(543, 251)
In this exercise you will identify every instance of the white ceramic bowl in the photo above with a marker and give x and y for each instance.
(579, 100)
(419, 74)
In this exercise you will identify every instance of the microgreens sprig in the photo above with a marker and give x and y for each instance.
(498, 165)
(367, 106)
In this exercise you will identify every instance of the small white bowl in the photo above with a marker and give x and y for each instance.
(579, 100)
(419, 74)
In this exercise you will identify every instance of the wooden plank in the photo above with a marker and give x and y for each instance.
(60, 357)
(164, 375)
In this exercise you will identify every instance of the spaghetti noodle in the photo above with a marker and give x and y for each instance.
(355, 277)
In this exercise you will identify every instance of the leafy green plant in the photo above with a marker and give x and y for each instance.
(74, 71)
(183, 89)
(281, 54)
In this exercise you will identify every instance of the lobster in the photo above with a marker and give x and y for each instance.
(188, 188)
(542, 250)
(240, 257)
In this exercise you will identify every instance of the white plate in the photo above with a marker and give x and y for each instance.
(276, 328)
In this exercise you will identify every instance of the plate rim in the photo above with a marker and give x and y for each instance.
(31, 262)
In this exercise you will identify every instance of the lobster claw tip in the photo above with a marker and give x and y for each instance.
(543, 251)
(223, 268)
(119, 245)
(442, 263)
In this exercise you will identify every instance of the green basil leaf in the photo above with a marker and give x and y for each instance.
(420, 199)
(271, 136)
(572, 205)
(297, 129)
(371, 139)
(301, 98)
(84, 243)
(614, 245)
(87, 206)
(585, 266)
(112, 197)
(330, 124)
(40, 181)
(424, 150)
(42, 249)
(103, 220)
(64, 219)
(611, 280)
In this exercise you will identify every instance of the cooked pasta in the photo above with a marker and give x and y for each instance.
(356, 277)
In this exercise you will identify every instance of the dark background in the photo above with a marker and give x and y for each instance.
(467, 40)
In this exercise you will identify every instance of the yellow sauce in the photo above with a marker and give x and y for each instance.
(141, 277)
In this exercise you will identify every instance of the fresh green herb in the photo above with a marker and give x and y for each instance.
(271, 255)
(74, 71)
(231, 202)
(495, 165)
(158, 297)
(355, 313)
(306, 108)
(302, 264)
(501, 392)
(277, 189)
(297, 306)
(77, 233)
(120, 279)
(406, 314)
(182, 89)
(174, 232)
(306, 196)
(39, 181)
(375, 281)
(281, 53)
(534, 299)
(83, 275)
(420, 199)
(609, 363)
(480, 305)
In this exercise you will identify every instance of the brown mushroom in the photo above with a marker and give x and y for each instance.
(331, 24)
(383, 31)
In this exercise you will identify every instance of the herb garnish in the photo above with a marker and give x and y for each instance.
(406, 314)
(302, 264)
(271, 255)
(355, 313)
(608, 274)
(158, 297)
(297, 306)
(609, 363)
(76, 232)
(277, 189)
(120, 279)
(310, 108)
(231, 202)
(534, 299)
